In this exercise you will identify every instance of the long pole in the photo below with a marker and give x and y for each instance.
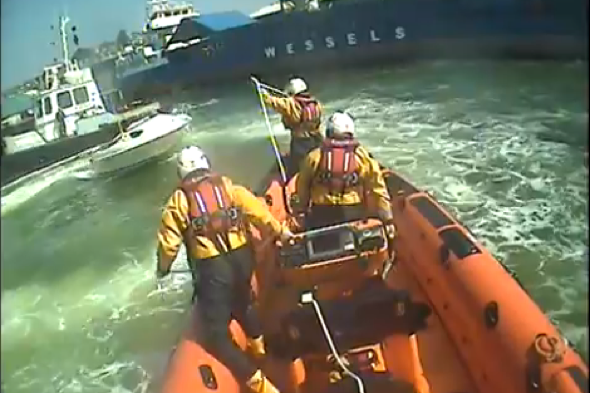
(273, 139)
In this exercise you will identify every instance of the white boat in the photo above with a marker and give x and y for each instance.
(70, 93)
(163, 19)
(144, 140)
(68, 103)
(70, 116)
(164, 14)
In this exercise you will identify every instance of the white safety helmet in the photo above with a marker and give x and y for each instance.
(296, 86)
(190, 159)
(340, 123)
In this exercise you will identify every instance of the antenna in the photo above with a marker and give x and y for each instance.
(63, 21)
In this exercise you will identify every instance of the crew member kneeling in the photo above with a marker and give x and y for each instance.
(336, 178)
(210, 214)
(302, 115)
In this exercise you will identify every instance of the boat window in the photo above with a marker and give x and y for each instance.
(64, 100)
(39, 109)
(47, 107)
(80, 95)
(167, 13)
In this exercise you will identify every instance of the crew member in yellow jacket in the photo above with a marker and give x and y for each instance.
(210, 215)
(336, 179)
(302, 115)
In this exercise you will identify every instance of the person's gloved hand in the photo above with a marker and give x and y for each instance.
(258, 85)
(296, 222)
(390, 231)
(286, 235)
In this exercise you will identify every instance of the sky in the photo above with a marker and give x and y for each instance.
(26, 35)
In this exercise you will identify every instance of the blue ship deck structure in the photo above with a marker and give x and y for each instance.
(364, 31)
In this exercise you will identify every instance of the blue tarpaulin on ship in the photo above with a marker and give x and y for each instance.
(204, 25)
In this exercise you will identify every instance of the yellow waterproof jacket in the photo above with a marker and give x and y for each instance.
(291, 111)
(175, 223)
(371, 183)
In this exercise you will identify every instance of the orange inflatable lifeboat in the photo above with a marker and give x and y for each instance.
(345, 311)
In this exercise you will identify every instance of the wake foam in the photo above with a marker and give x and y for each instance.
(525, 199)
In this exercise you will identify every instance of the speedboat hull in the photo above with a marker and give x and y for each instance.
(144, 141)
(431, 312)
(17, 165)
(93, 133)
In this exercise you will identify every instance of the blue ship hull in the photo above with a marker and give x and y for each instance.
(373, 31)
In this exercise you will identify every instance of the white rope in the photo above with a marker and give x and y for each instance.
(309, 298)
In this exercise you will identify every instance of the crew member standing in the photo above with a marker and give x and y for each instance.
(210, 215)
(302, 115)
(335, 180)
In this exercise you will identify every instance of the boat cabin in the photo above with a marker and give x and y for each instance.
(277, 8)
(163, 18)
(71, 95)
(162, 14)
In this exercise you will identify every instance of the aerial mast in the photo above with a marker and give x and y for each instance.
(63, 21)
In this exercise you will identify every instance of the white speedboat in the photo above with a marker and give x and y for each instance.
(142, 141)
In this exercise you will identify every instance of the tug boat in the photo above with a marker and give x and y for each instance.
(345, 310)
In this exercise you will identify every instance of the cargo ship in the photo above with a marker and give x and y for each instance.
(227, 46)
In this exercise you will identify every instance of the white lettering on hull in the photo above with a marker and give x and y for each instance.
(269, 52)
(329, 42)
(351, 39)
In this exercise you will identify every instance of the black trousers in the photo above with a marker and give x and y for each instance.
(298, 150)
(224, 292)
(325, 215)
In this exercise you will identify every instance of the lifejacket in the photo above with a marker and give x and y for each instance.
(212, 212)
(311, 115)
(338, 166)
